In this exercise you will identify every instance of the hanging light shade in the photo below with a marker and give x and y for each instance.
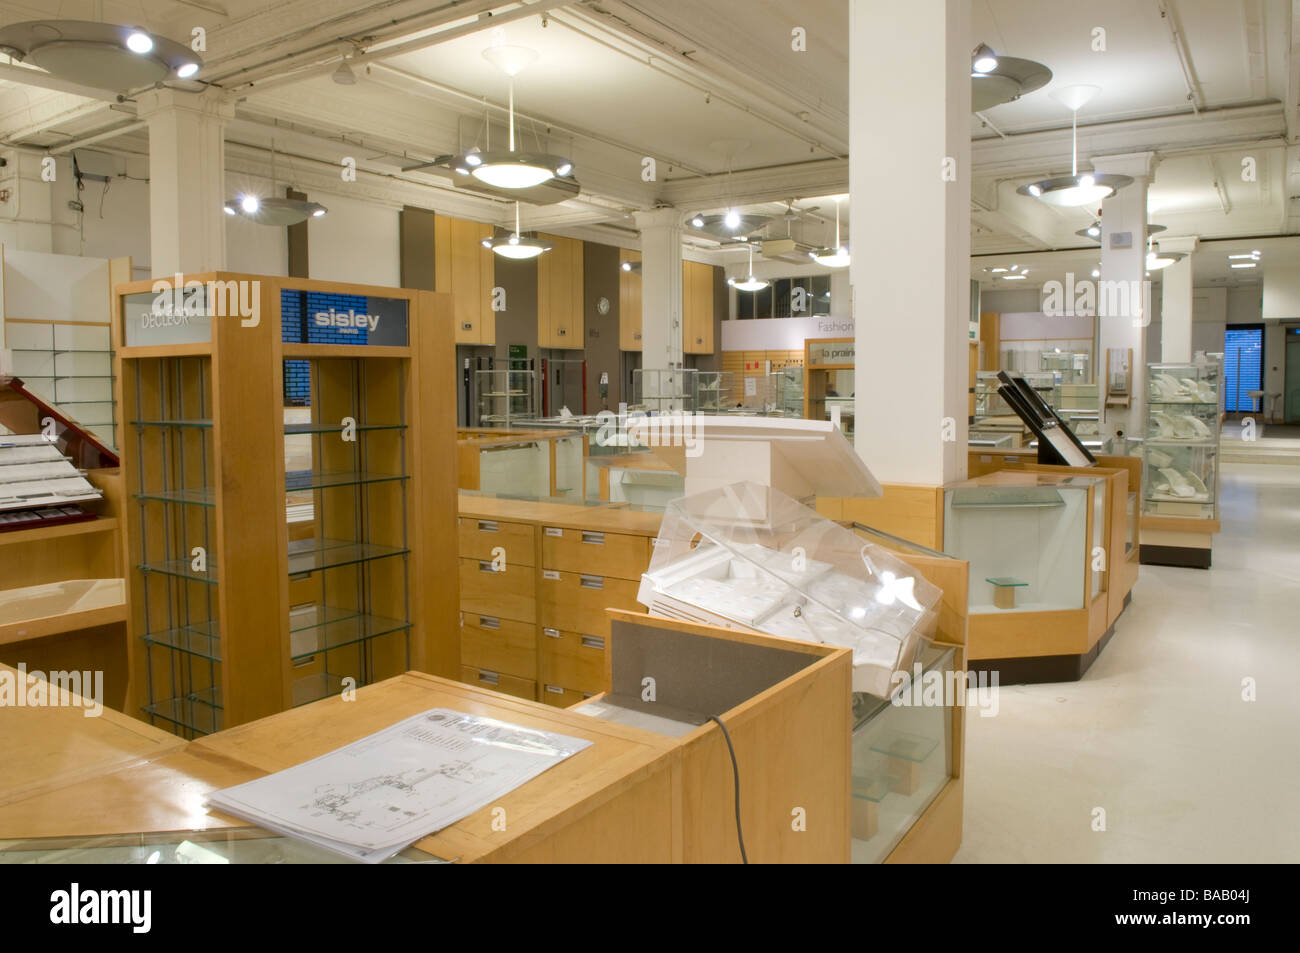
(1087, 188)
(1093, 231)
(516, 244)
(1156, 260)
(836, 256)
(102, 55)
(751, 283)
(273, 211)
(510, 168)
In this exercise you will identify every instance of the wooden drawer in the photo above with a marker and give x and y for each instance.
(500, 682)
(510, 593)
(499, 645)
(572, 659)
(562, 697)
(478, 537)
(577, 602)
(584, 550)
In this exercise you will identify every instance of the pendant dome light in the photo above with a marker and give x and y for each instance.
(512, 169)
(102, 55)
(837, 256)
(751, 283)
(1157, 260)
(275, 212)
(1072, 190)
(516, 244)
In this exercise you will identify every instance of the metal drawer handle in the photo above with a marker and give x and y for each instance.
(485, 565)
(555, 689)
(551, 633)
(593, 642)
(489, 622)
(492, 678)
(592, 582)
(467, 326)
(488, 526)
(597, 539)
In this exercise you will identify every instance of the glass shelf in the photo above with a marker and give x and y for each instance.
(323, 628)
(200, 638)
(198, 711)
(322, 428)
(201, 423)
(180, 568)
(312, 555)
(315, 687)
(198, 496)
(307, 480)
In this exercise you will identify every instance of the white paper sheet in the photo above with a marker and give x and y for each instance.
(370, 799)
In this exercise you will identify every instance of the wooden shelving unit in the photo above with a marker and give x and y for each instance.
(283, 475)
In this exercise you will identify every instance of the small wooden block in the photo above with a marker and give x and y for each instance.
(1004, 597)
(908, 774)
(865, 823)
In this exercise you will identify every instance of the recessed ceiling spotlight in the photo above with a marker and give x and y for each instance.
(1096, 272)
(138, 41)
(983, 60)
(1013, 277)
(1242, 264)
(998, 271)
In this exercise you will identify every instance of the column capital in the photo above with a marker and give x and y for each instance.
(666, 217)
(1182, 243)
(1140, 165)
(210, 102)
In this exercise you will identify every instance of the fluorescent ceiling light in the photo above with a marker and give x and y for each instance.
(1013, 277)
(1244, 264)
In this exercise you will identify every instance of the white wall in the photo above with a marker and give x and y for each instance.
(356, 242)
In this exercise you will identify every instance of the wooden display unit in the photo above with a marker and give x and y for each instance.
(535, 581)
(634, 796)
(463, 267)
(822, 359)
(560, 314)
(277, 555)
(697, 307)
(629, 302)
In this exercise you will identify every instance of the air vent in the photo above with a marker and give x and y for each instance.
(786, 249)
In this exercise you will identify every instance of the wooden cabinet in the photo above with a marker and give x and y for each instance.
(629, 303)
(465, 268)
(697, 308)
(559, 294)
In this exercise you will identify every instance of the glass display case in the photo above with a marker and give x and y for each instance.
(524, 463)
(712, 391)
(1029, 538)
(505, 396)
(1068, 367)
(251, 845)
(902, 757)
(1181, 448)
(989, 403)
(660, 391)
(748, 555)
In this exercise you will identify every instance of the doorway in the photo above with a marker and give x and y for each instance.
(1291, 382)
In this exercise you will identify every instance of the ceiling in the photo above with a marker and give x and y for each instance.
(711, 91)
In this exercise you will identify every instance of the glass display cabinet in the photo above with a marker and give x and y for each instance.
(713, 391)
(1068, 367)
(526, 463)
(1181, 448)
(1029, 539)
(748, 555)
(505, 396)
(662, 391)
(902, 757)
(829, 381)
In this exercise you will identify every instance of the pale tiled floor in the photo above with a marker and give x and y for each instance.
(1156, 732)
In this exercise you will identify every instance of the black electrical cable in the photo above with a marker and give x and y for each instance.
(735, 773)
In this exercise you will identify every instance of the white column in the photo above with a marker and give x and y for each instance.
(1176, 303)
(661, 287)
(1124, 293)
(187, 172)
(909, 69)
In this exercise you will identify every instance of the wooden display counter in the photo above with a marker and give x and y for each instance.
(635, 795)
(472, 444)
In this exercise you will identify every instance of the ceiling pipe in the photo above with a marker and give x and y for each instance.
(1194, 95)
(121, 129)
(710, 91)
(398, 49)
